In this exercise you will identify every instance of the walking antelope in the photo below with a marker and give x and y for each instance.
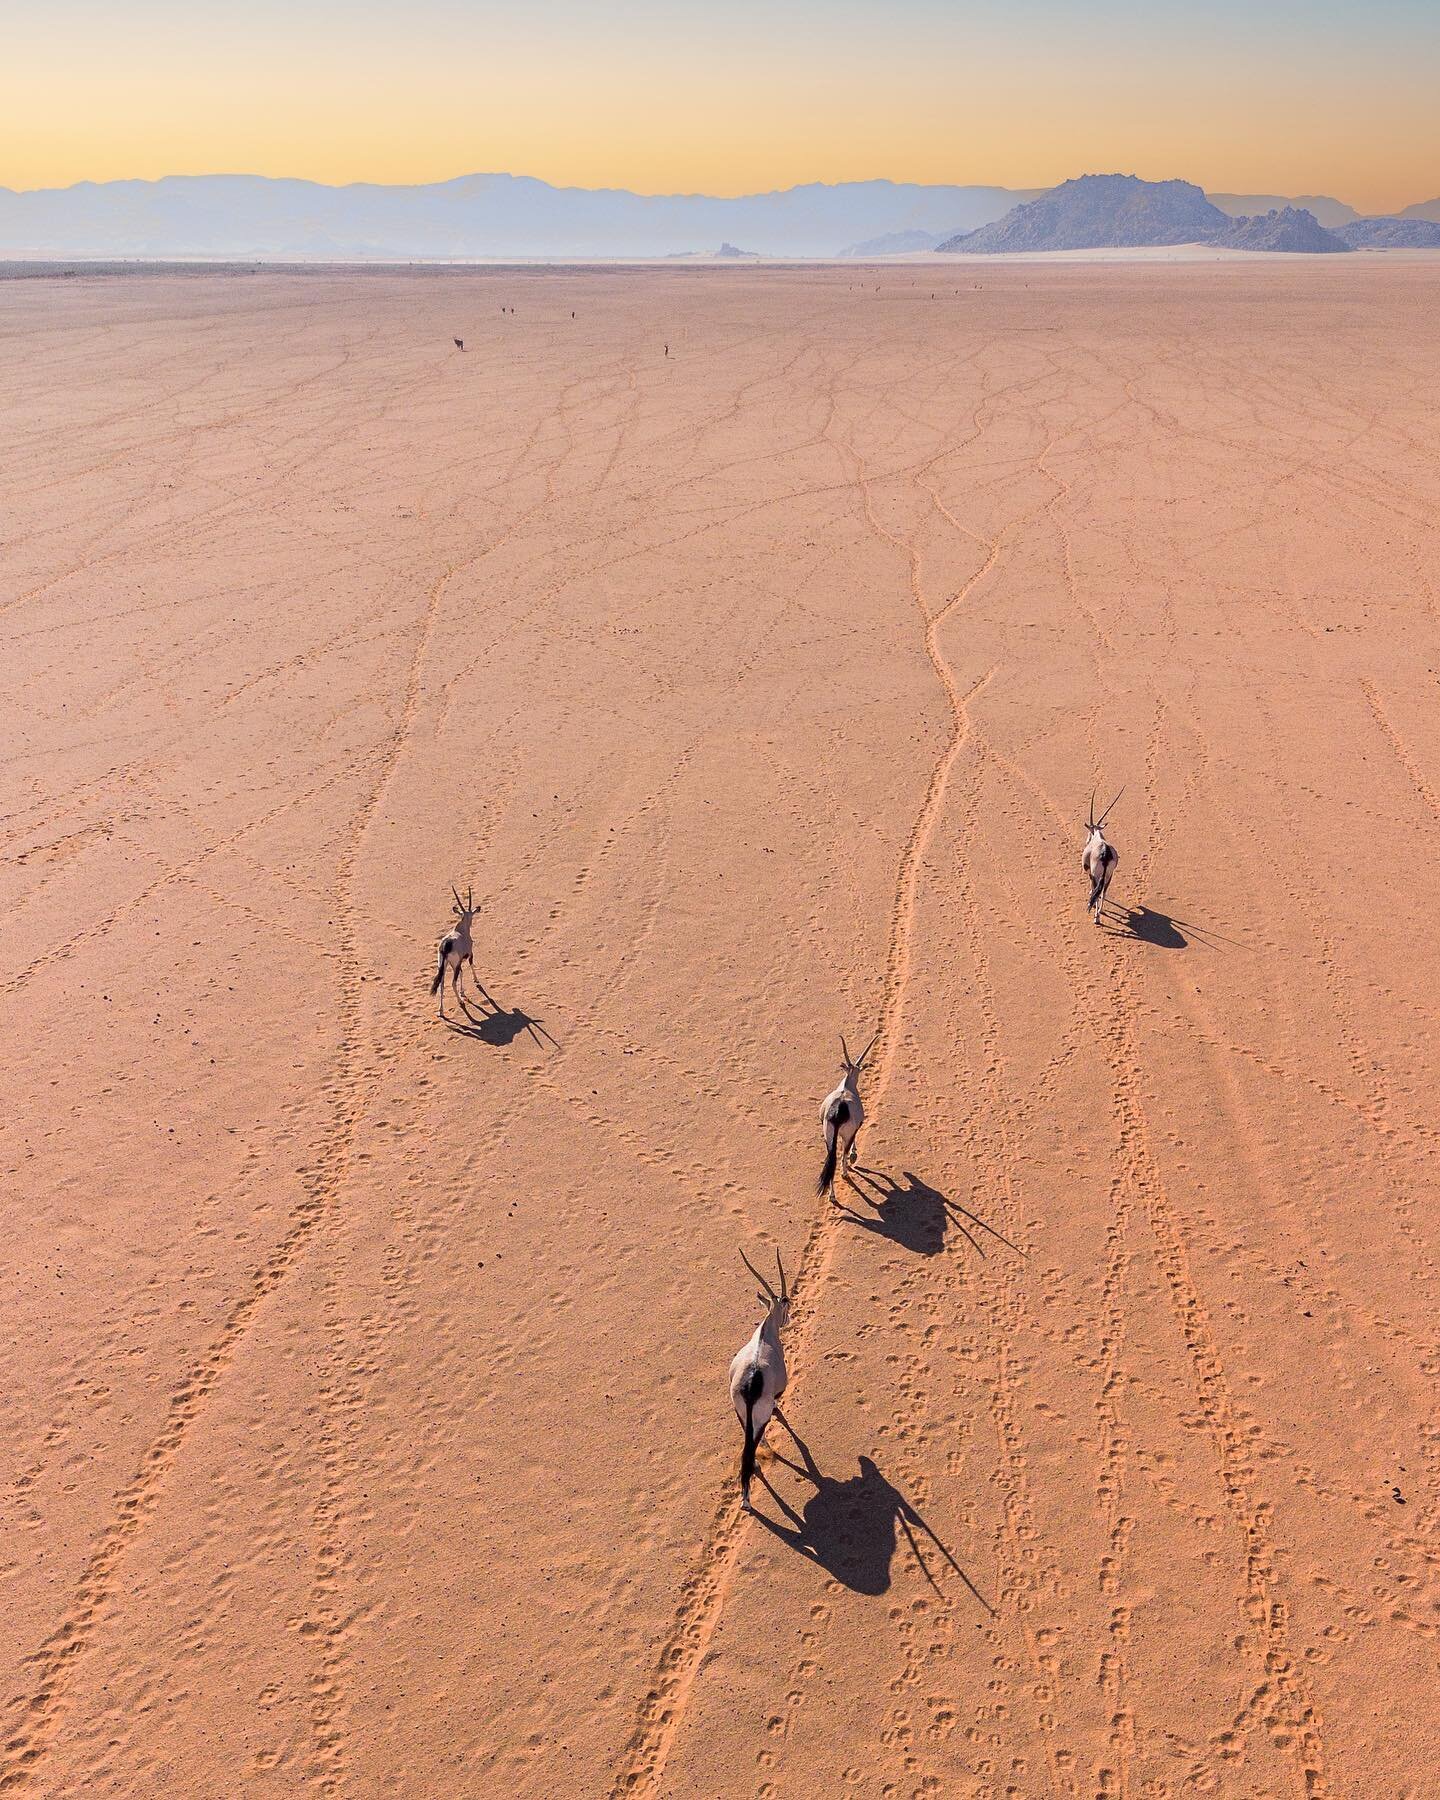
(757, 1374)
(456, 948)
(1099, 858)
(841, 1117)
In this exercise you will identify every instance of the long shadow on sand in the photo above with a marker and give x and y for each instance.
(913, 1214)
(499, 1025)
(1144, 925)
(850, 1528)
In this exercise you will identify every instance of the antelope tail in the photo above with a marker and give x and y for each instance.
(439, 980)
(754, 1382)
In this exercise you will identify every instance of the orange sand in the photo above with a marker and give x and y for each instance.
(365, 1425)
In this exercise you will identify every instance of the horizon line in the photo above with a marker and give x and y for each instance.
(637, 193)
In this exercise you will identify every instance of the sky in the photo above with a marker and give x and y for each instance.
(1252, 96)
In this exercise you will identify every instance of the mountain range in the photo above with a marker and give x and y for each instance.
(1095, 212)
(1288, 228)
(1412, 233)
(239, 217)
(475, 216)
(1325, 210)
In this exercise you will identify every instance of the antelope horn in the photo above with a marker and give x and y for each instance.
(470, 896)
(455, 891)
(784, 1286)
(1110, 808)
(868, 1048)
(769, 1291)
(845, 1053)
(1090, 816)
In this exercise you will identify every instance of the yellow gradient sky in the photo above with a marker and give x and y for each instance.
(1327, 97)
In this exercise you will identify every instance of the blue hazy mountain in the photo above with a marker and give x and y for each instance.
(1291, 229)
(241, 216)
(1327, 211)
(1413, 233)
(1095, 212)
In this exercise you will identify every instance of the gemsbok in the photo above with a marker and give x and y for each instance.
(456, 949)
(1099, 858)
(757, 1374)
(841, 1117)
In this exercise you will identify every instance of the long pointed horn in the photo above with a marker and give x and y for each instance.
(784, 1285)
(454, 890)
(1109, 809)
(845, 1053)
(470, 899)
(758, 1276)
(1090, 816)
(868, 1048)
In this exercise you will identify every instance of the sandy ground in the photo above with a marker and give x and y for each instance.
(365, 1427)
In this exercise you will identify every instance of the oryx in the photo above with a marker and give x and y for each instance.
(841, 1117)
(1099, 858)
(456, 948)
(757, 1374)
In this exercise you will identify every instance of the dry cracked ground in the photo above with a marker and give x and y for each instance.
(366, 1429)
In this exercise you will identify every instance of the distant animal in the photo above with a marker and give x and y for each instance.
(757, 1372)
(459, 343)
(456, 948)
(1099, 858)
(841, 1117)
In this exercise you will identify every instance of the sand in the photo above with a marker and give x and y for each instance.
(366, 1428)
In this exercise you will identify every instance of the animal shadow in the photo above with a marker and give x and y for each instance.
(915, 1215)
(497, 1025)
(1143, 925)
(851, 1528)
(1146, 926)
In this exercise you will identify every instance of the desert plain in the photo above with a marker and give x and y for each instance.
(366, 1428)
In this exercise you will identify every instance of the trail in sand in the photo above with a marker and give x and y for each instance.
(366, 1426)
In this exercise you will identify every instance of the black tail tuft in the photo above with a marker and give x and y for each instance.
(754, 1382)
(446, 946)
(835, 1121)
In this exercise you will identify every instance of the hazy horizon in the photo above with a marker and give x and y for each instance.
(677, 99)
(602, 187)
